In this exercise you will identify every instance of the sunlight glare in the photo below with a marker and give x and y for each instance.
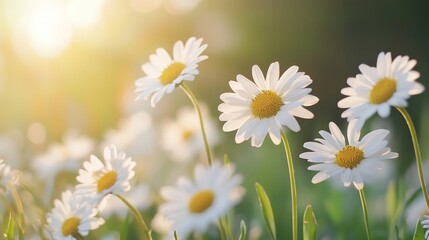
(83, 13)
(179, 7)
(48, 30)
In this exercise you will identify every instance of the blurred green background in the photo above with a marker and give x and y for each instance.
(72, 64)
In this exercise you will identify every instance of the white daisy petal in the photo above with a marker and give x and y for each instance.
(357, 180)
(346, 177)
(335, 131)
(319, 177)
(258, 77)
(273, 75)
(353, 132)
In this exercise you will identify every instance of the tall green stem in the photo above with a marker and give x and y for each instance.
(416, 152)
(200, 117)
(138, 217)
(292, 187)
(365, 213)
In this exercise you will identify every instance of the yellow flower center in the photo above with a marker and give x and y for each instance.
(382, 91)
(186, 135)
(106, 181)
(70, 226)
(266, 104)
(349, 157)
(171, 72)
(201, 201)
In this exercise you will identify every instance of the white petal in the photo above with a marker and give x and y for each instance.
(336, 132)
(384, 110)
(417, 88)
(273, 75)
(232, 125)
(357, 180)
(353, 132)
(301, 112)
(259, 134)
(370, 73)
(258, 77)
(317, 147)
(383, 63)
(309, 100)
(248, 85)
(346, 177)
(319, 177)
(275, 132)
(353, 101)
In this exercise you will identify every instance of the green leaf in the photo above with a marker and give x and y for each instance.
(310, 224)
(267, 211)
(175, 235)
(391, 200)
(243, 231)
(419, 233)
(10, 228)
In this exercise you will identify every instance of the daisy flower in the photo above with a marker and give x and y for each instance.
(351, 161)
(164, 73)
(99, 179)
(264, 106)
(391, 83)
(193, 206)
(183, 139)
(71, 217)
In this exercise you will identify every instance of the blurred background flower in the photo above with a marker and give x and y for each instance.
(71, 64)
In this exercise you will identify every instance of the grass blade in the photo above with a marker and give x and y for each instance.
(419, 233)
(10, 229)
(243, 231)
(267, 211)
(310, 224)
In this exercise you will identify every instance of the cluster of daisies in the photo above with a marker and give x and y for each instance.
(75, 214)
(265, 105)
(258, 106)
(190, 206)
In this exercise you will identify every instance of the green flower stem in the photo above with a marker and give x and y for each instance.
(138, 217)
(200, 117)
(416, 152)
(365, 213)
(292, 187)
